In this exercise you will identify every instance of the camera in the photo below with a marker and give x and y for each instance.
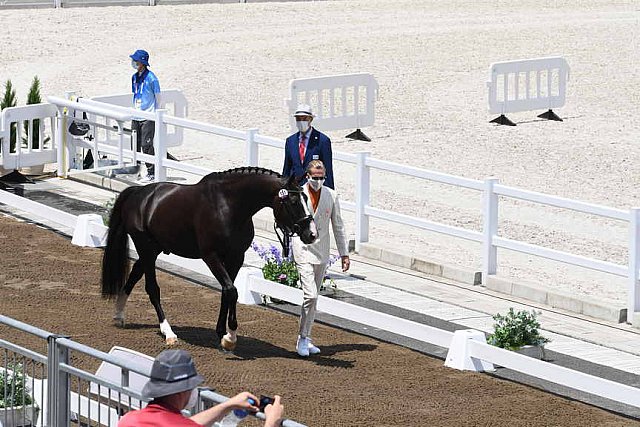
(264, 401)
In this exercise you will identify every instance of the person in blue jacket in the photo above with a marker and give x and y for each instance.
(146, 97)
(306, 145)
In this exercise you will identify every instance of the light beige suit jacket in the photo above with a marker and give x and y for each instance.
(328, 211)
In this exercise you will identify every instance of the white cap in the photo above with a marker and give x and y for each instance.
(303, 110)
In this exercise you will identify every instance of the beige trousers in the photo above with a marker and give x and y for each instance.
(311, 276)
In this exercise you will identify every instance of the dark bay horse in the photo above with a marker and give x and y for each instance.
(211, 220)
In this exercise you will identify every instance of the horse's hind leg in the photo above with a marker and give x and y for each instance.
(153, 290)
(136, 274)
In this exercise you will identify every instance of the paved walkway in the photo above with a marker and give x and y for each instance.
(612, 345)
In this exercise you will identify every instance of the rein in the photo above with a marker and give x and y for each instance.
(287, 232)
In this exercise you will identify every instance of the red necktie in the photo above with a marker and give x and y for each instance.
(301, 148)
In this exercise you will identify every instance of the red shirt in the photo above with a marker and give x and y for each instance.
(156, 415)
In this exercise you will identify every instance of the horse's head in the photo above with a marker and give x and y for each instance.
(291, 212)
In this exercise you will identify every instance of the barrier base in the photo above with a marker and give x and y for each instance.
(550, 115)
(458, 355)
(503, 120)
(359, 135)
(245, 295)
(82, 235)
(16, 177)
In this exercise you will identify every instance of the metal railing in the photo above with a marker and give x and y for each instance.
(60, 394)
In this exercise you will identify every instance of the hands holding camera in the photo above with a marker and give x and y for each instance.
(271, 407)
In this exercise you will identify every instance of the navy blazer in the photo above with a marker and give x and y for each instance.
(318, 148)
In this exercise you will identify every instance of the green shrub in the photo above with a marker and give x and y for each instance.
(33, 98)
(9, 100)
(515, 330)
(13, 381)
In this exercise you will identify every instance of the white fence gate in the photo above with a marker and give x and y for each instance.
(525, 85)
(344, 101)
(29, 129)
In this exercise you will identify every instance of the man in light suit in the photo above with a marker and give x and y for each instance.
(312, 259)
(306, 145)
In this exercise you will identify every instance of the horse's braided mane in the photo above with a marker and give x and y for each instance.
(247, 170)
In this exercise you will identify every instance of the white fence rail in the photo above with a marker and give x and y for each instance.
(344, 101)
(490, 188)
(172, 100)
(529, 84)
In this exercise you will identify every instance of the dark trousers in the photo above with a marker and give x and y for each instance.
(145, 131)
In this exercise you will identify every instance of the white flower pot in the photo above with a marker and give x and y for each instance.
(535, 351)
(19, 416)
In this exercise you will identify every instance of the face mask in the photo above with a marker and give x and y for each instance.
(134, 65)
(316, 185)
(193, 399)
(302, 126)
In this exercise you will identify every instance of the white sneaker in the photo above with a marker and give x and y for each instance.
(312, 348)
(302, 346)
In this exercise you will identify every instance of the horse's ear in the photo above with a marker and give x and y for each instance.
(299, 179)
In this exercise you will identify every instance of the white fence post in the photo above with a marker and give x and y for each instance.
(363, 185)
(252, 147)
(489, 229)
(61, 139)
(160, 146)
(634, 264)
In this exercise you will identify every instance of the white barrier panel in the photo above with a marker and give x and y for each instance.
(173, 100)
(529, 84)
(31, 129)
(344, 101)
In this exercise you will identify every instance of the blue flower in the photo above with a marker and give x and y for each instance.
(332, 260)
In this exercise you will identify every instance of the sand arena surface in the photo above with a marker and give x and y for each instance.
(431, 59)
(357, 381)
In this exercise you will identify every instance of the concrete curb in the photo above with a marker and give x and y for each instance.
(604, 310)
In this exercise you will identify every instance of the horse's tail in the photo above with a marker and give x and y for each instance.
(115, 261)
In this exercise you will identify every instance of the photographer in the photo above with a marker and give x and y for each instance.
(172, 387)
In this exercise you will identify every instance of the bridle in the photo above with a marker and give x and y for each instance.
(287, 231)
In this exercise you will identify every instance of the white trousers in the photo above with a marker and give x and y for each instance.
(311, 276)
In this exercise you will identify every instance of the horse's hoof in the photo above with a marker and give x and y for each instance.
(171, 341)
(227, 344)
(119, 322)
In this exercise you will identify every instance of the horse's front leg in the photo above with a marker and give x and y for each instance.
(228, 300)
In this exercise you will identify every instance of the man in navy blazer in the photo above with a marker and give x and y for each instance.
(306, 145)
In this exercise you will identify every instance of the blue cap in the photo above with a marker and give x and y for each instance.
(141, 56)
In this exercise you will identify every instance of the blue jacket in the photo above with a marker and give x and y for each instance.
(318, 148)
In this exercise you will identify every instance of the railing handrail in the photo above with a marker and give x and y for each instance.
(25, 327)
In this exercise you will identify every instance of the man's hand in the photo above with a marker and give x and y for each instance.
(345, 263)
(241, 401)
(274, 413)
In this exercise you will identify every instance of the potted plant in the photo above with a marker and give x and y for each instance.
(17, 407)
(33, 97)
(283, 270)
(518, 331)
(277, 268)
